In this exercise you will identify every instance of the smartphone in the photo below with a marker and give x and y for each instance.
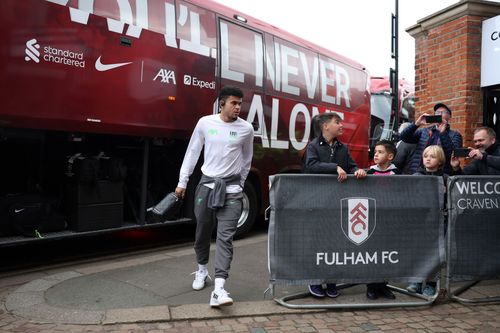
(434, 119)
(461, 152)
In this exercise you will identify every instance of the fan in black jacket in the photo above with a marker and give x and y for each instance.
(326, 154)
(485, 157)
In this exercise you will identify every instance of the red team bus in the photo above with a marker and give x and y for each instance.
(100, 98)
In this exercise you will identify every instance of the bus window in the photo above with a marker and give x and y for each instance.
(408, 108)
(380, 118)
(242, 55)
(196, 29)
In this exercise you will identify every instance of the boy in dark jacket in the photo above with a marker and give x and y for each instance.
(327, 155)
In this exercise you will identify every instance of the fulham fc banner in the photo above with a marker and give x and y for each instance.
(371, 230)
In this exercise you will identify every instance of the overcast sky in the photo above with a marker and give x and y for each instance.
(358, 29)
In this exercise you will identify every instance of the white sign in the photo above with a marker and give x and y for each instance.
(490, 52)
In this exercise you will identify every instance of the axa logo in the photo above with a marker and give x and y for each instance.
(31, 51)
(165, 76)
(358, 218)
(99, 66)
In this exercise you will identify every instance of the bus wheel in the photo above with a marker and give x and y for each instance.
(248, 211)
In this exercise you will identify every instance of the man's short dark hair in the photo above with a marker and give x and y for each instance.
(229, 91)
(491, 133)
(388, 145)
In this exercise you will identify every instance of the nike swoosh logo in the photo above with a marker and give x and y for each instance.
(19, 210)
(106, 67)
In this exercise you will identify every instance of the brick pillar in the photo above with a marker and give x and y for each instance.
(448, 62)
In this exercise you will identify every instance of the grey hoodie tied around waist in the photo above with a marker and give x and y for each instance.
(217, 196)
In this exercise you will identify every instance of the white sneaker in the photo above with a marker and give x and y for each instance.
(220, 297)
(199, 279)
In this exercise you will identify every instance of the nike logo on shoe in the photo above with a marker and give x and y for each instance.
(106, 67)
(19, 210)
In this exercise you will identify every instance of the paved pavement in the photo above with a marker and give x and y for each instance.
(152, 292)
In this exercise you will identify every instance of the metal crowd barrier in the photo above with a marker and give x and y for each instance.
(385, 228)
(473, 235)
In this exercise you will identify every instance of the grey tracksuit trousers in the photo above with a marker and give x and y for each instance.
(227, 220)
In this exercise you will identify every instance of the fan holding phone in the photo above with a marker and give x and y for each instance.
(432, 129)
(485, 155)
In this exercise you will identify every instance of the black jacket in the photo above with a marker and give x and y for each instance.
(422, 171)
(488, 165)
(404, 156)
(323, 158)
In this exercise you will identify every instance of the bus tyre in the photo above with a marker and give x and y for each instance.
(249, 210)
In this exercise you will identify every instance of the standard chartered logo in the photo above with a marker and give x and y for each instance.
(31, 51)
(53, 54)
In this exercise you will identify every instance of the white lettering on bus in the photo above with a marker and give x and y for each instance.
(226, 72)
(86, 7)
(257, 109)
(194, 45)
(311, 81)
(256, 115)
(299, 108)
(170, 28)
(275, 143)
(333, 80)
(326, 81)
(259, 61)
(343, 83)
(274, 76)
(287, 69)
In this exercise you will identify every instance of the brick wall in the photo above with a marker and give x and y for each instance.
(448, 62)
(447, 69)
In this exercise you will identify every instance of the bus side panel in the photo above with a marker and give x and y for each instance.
(63, 75)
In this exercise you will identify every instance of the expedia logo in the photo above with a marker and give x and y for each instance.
(194, 81)
(31, 51)
(358, 218)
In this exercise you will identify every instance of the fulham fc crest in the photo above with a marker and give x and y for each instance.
(357, 216)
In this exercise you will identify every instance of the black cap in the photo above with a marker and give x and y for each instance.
(442, 105)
